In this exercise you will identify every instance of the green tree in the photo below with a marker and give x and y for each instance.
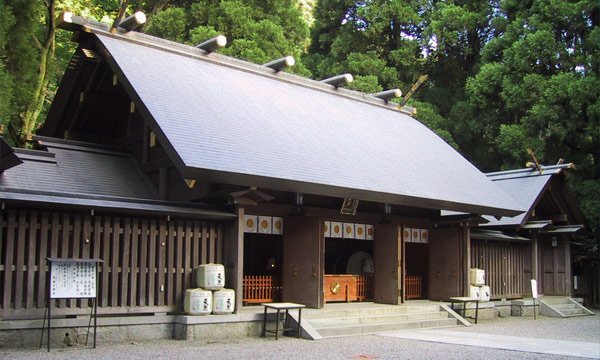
(257, 31)
(538, 87)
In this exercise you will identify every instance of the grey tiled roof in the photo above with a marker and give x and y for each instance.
(526, 190)
(77, 172)
(227, 123)
(75, 176)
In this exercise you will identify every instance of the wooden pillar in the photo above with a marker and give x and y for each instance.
(535, 258)
(233, 255)
(466, 259)
(568, 266)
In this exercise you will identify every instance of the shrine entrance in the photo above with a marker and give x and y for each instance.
(349, 267)
(263, 260)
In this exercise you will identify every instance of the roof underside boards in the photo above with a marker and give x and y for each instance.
(229, 125)
(75, 176)
(78, 172)
(496, 235)
(525, 190)
(131, 207)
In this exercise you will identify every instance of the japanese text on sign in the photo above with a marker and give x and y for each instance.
(73, 280)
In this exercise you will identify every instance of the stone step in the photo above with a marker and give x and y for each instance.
(336, 331)
(375, 319)
(572, 312)
(367, 311)
(555, 300)
(562, 307)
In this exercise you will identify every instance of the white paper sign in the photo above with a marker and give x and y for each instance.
(72, 279)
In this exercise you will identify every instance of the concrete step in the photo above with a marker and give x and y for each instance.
(551, 300)
(376, 319)
(562, 307)
(368, 311)
(336, 331)
(572, 312)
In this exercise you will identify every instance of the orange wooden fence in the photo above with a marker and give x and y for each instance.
(260, 288)
(414, 287)
(364, 287)
(148, 261)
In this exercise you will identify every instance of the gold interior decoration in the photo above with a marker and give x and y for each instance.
(250, 223)
(359, 231)
(335, 287)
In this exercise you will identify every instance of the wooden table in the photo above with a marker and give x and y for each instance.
(465, 301)
(287, 306)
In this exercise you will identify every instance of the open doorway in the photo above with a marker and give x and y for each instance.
(348, 263)
(262, 268)
(416, 247)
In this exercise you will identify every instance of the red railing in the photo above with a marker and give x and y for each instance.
(414, 287)
(260, 289)
(364, 287)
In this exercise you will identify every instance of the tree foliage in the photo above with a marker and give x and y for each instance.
(257, 31)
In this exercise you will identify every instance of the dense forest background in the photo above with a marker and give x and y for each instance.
(504, 76)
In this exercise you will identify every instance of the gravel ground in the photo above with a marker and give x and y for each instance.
(585, 329)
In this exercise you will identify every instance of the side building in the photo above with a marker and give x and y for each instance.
(533, 245)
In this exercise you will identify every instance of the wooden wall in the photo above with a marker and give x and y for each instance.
(148, 264)
(504, 266)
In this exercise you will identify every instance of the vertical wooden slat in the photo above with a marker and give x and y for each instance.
(170, 263)
(75, 248)
(63, 246)
(41, 261)
(220, 243)
(162, 235)
(196, 244)
(205, 236)
(85, 249)
(125, 266)
(212, 243)
(152, 263)
(187, 254)
(179, 263)
(20, 260)
(114, 261)
(105, 248)
(32, 250)
(143, 257)
(76, 234)
(11, 238)
(133, 272)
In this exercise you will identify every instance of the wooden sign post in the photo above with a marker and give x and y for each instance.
(72, 279)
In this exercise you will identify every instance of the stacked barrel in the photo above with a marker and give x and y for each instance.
(478, 289)
(210, 296)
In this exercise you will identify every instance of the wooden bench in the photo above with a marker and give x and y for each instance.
(287, 306)
(465, 301)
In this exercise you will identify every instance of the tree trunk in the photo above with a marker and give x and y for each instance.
(38, 98)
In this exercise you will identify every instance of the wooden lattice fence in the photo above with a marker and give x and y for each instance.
(149, 262)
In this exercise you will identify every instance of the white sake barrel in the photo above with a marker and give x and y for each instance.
(474, 292)
(211, 276)
(477, 277)
(198, 302)
(484, 293)
(223, 301)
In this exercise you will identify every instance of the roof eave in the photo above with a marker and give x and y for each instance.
(342, 192)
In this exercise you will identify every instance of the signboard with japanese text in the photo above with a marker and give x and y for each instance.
(73, 279)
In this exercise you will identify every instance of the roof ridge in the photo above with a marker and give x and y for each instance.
(74, 23)
(527, 172)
